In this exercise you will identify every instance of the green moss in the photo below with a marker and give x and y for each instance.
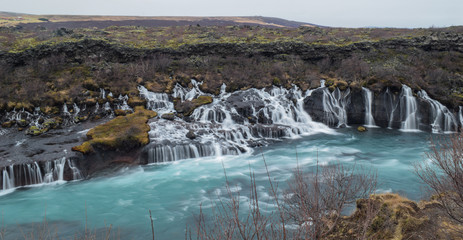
(342, 85)
(136, 101)
(123, 133)
(187, 107)
(85, 148)
(35, 131)
(120, 112)
(201, 100)
(8, 124)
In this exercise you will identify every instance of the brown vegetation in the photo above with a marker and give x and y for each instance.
(444, 175)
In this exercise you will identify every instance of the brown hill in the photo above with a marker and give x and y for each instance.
(82, 21)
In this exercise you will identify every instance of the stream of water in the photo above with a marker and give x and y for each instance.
(174, 190)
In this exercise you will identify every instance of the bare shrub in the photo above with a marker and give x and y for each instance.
(354, 69)
(315, 201)
(310, 208)
(443, 173)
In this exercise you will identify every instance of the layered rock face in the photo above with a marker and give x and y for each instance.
(404, 109)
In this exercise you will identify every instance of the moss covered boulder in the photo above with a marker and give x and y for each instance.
(168, 116)
(361, 129)
(187, 107)
(8, 124)
(123, 133)
(22, 123)
(120, 112)
(35, 131)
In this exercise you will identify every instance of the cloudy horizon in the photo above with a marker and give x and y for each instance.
(335, 13)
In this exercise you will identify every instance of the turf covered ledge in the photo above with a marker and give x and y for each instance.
(123, 133)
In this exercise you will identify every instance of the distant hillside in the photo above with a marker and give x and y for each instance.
(30, 21)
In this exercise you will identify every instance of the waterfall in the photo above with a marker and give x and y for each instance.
(97, 107)
(65, 110)
(32, 173)
(102, 93)
(123, 105)
(76, 109)
(167, 153)
(107, 107)
(158, 102)
(8, 177)
(54, 170)
(368, 98)
(322, 83)
(230, 125)
(390, 107)
(188, 94)
(334, 106)
(409, 110)
(460, 116)
(442, 119)
(76, 174)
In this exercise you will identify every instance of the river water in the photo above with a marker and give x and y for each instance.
(173, 191)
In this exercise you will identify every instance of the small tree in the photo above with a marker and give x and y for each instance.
(315, 201)
(443, 173)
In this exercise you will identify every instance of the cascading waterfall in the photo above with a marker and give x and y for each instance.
(102, 93)
(409, 110)
(123, 105)
(368, 98)
(76, 109)
(187, 94)
(65, 110)
(107, 107)
(460, 115)
(442, 119)
(334, 106)
(31, 173)
(220, 128)
(8, 177)
(156, 101)
(76, 174)
(390, 106)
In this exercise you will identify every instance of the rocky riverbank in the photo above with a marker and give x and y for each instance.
(227, 123)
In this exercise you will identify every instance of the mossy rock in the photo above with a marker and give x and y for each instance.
(22, 123)
(49, 110)
(361, 129)
(78, 119)
(120, 112)
(191, 135)
(201, 100)
(342, 85)
(90, 84)
(20, 105)
(136, 101)
(8, 124)
(52, 123)
(168, 116)
(90, 101)
(123, 133)
(85, 148)
(187, 107)
(35, 131)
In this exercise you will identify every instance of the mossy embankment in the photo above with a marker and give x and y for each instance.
(391, 216)
(71, 66)
(123, 133)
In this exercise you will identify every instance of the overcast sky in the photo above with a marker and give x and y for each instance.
(340, 13)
